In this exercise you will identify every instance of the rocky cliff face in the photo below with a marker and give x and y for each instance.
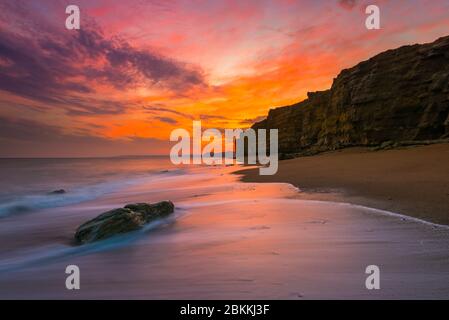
(398, 95)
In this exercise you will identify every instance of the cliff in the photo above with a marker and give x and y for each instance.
(397, 96)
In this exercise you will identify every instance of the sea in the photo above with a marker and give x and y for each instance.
(226, 239)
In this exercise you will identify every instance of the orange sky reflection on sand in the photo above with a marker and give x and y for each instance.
(131, 80)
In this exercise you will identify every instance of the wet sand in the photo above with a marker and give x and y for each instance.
(413, 181)
(228, 240)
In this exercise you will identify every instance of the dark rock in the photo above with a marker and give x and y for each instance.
(398, 95)
(118, 221)
(153, 211)
(60, 191)
(388, 145)
(286, 156)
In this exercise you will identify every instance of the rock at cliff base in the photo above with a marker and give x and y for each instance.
(122, 220)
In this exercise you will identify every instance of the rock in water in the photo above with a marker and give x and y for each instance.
(118, 221)
(152, 211)
(60, 191)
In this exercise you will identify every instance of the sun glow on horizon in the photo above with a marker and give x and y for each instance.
(124, 78)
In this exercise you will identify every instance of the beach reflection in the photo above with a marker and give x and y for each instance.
(227, 240)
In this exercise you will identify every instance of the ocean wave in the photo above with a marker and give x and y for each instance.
(59, 252)
(32, 202)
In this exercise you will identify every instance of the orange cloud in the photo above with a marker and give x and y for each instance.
(140, 69)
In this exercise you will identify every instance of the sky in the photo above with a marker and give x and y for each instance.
(136, 69)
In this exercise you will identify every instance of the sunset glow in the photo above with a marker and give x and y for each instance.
(136, 70)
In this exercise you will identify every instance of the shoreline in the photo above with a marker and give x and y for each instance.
(409, 181)
(228, 239)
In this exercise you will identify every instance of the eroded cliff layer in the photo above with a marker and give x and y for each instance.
(398, 95)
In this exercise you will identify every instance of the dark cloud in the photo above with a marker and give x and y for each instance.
(162, 109)
(348, 4)
(28, 138)
(167, 120)
(212, 117)
(31, 74)
(60, 67)
(27, 130)
(159, 109)
(126, 64)
(86, 106)
(253, 120)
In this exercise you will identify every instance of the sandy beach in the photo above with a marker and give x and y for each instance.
(226, 240)
(413, 181)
